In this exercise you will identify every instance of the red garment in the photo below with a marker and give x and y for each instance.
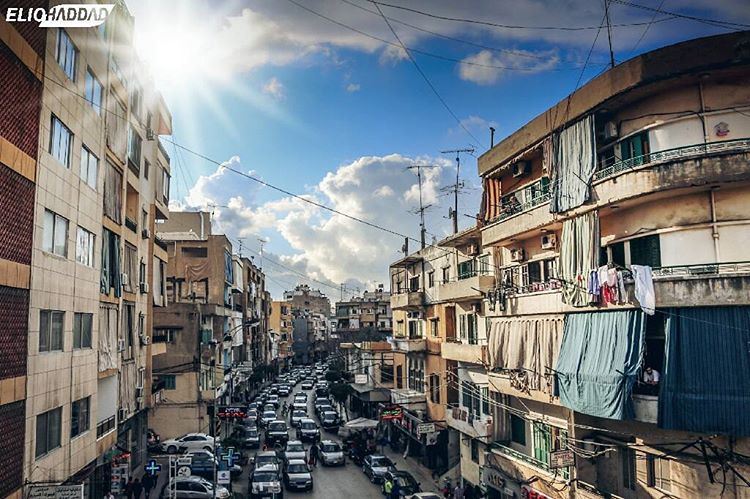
(609, 295)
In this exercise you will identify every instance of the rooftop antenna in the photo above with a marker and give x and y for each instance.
(262, 242)
(609, 34)
(422, 208)
(241, 240)
(457, 152)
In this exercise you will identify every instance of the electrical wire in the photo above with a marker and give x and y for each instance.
(643, 35)
(713, 22)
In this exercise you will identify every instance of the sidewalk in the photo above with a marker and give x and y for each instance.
(422, 474)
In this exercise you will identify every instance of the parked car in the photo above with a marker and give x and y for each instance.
(321, 390)
(267, 417)
(249, 436)
(308, 430)
(299, 406)
(266, 458)
(269, 407)
(329, 420)
(277, 432)
(331, 453)
(297, 475)
(294, 450)
(407, 484)
(321, 401)
(193, 487)
(300, 396)
(265, 482)
(375, 466)
(188, 442)
(297, 416)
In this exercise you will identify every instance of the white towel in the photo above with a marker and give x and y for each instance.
(644, 288)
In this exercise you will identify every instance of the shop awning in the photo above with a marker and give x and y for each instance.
(369, 393)
(600, 356)
(529, 345)
(361, 424)
(705, 386)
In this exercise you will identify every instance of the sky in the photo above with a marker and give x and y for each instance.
(335, 110)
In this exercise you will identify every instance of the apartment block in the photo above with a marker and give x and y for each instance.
(364, 318)
(311, 311)
(280, 323)
(617, 222)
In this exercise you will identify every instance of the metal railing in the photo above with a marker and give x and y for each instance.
(510, 452)
(474, 267)
(701, 269)
(509, 205)
(671, 154)
(471, 340)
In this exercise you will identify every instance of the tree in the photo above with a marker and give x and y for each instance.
(340, 393)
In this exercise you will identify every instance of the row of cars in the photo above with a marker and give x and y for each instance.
(379, 469)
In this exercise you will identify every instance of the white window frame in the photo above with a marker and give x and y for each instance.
(85, 247)
(66, 54)
(51, 231)
(60, 150)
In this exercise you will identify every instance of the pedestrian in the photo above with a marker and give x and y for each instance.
(128, 489)
(149, 481)
(396, 492)
(478, 494)
(109, 495)
(314, 454)
(137, 488)
(388, 488)
(458, 492)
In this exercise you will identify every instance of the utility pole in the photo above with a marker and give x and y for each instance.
(609, 34)
(457, 152)
(422, 208)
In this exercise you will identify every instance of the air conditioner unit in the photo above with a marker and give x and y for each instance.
(146, 234)
(610, 130)
(144, 287)
(549, 241)
(145, 340)
(520, 168)
(120, 345)
(472, 250)
(516, 255)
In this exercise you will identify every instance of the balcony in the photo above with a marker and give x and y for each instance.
(470, 287)
(473, 353)
(407, 299)
(508, 452)
(408, 345)
(460, 419)
(646, 408)
(524, 199)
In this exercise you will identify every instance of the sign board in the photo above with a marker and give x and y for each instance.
(231, 412)
(492, 478)
(360, 379)
(561, 459)
(391, 413)
(423, 428)
(223, 477)
(55, 492)
(185, 461)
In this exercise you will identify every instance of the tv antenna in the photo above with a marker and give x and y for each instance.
(422, 208)
(458, 185)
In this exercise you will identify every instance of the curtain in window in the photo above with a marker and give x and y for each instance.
(573, 165)
(528, 345)
(491, 199)
(705, 386)
(127, 387)
(113, 193)
(157, 279)
(600, 356)
(131, 269)
(579, 254)
(108, 334)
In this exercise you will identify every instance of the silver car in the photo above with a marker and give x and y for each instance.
(294, 450)
(331, 453)
(297, 475)
(265, 482)
(268, 417)
(193, 487)
(297, 416)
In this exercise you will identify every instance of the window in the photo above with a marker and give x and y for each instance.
(134, 150)
(85, 247)
(435, 388)
(113, 193)
(169, 381)
(468, 328)
(636, 148)
(485, 401)
(79, 416)
(93, 91)
(51, 330)
(431, 279)
(89, 167)
(645, 251)
(61, 141)
(434, 327)
(136, 100)
(475, 451)
(414, 284)
(111, 276)
(82, 330)
(470, 397)
(128, 329)
(130, 268)
(55, 239)
(446, 275)
(194, 252)
(66, 54)
(165, 186)
(629, 479)
(416, 374)
(48, 426)
(517, 430)
(659, 473)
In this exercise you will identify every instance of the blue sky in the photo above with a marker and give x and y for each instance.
(325, 112)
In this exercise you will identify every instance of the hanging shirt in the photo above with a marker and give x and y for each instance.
(593, 284)
(622, 294)
(644, 288)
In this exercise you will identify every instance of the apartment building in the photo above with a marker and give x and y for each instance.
(199, 333)
(280, 322)
(364, 318)
(370, 365)
(618, 222)
(310, 310)
(100, 185)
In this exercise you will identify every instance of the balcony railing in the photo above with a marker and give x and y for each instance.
(474, 267)
(160, 243)
(532, 195)
(510, 452)
(671, 154)
(702, 269)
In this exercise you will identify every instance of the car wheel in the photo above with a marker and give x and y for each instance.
(171, 449)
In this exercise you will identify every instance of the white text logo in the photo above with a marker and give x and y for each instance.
(67, 15)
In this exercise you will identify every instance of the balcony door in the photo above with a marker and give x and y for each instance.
(450, 322)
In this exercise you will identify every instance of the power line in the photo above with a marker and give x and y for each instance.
(643, 35)
(505, 26)
(713, 22)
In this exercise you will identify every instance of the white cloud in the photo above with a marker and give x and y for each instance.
(353, 87)
(482, 67)
(475, 124)
(274, 88)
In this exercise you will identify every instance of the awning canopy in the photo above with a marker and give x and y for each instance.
(600, 356)
(705, 386)
(361, 424)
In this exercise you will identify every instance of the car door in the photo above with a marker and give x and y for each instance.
(198, 491)
(183, 490)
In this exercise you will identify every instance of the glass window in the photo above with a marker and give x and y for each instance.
(434, 328)
(169, 381)
(85, 247)
(61, 141)
(446, 275)
(82, 330)
(134, 149)
(93, 91)
(79, 416)
(474, 450)
(165, 186)
(48, 426)
(50, 330)
(66, 54)
(89, 167)
(431, 279)
(517, 430)
(113, 193)
(55, 237)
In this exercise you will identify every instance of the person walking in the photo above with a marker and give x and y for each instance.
(396, 491)
(149, 481)
(388, 488)
(314, 454)
(458, 492)
(128, 489)
(137, 488)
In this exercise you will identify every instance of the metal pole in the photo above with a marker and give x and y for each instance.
(455, 201)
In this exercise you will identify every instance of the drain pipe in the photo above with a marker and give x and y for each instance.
(702, 113)
(714, 227)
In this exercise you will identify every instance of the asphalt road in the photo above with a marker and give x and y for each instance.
(328, 482)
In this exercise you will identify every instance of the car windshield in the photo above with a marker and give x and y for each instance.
(295, 448)
(329, 416)
(269, 414)
(381, 462)
(308, 425)
(334, 447)
(264, 476)
(299, 414)
(405, 481)
(277, 426)
(263, 460)
(252, 433)
(297, 468)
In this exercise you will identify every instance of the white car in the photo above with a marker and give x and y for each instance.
(295, 450)
(188, 442)
(193, 487)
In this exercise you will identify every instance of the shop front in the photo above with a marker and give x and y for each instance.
(426, 441)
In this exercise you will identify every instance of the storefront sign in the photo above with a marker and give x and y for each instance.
(390, 413)
(119, 477)
(55, 492)
(231, 412)
(492, 478)
(223, 477)
(423, 428)
(561, 459)
(360, 379)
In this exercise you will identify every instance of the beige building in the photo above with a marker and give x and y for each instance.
(102, 181)
(280, 321)
(642, 177)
